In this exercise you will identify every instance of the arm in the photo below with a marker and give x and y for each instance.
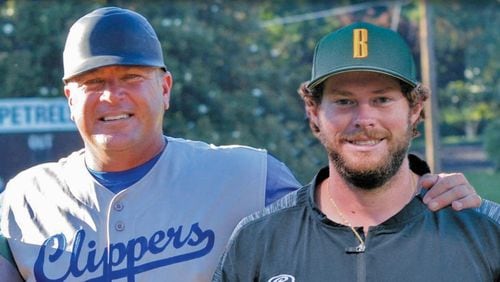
(280, 180)
(8, 270)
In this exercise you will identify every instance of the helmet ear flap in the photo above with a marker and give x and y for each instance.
(110, 36)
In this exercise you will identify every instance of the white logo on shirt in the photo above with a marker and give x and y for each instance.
(282, 278)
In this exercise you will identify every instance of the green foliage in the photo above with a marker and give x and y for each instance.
(492, 142)
(236, 67)
(486, 184)
(470, 105)
(467, 40)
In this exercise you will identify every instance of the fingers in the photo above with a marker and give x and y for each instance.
(428, 180)
(470, 201)
(449, 189)
(440, 183)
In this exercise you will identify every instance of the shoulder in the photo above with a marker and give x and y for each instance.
(475, 230)
(200, 145)
(227, 156)
(39, 180)
(50, 166)
(474, 216)
(277, 214)
(471, 222)
(49, 170)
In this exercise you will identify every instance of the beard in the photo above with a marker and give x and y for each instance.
(377, 175)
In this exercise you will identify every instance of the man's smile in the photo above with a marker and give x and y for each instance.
(115, 117)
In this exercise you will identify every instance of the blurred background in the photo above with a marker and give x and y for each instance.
(237, 66)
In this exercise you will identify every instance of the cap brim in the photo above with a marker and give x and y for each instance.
(337, 71)
(96, 62)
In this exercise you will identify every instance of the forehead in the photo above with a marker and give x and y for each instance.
(112, 70)
(361, 79)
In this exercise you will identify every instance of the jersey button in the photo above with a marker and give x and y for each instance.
(118, 206)
(119, 226)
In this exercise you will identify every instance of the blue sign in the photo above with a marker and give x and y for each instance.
(19, 115)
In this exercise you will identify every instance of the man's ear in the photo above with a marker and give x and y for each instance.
(67, 93)
(69, 97)
(415, 112)
(312, 109)
(167, 83)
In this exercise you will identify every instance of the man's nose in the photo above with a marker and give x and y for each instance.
(112, 91)
(365, 116)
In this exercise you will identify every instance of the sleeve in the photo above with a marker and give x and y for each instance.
(4, 250)
(491, 209)
(280, 180)
(221, 274)
(8, 269)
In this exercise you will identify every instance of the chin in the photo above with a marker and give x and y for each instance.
(110, 142)
(364, 167)
(370, 171)
(365, 160)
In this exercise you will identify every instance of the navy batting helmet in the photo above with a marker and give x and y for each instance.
(110, 36)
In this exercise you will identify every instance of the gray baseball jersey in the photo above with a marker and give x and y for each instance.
(172, 225)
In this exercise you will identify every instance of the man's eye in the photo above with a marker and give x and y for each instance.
(343, 102)
(382, 100)
(94, 81)
(132, 77)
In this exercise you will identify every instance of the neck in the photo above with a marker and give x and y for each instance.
(123, 159)
(362, 207)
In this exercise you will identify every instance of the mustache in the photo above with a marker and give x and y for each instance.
(364, 133)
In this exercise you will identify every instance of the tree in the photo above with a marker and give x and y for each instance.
(236, 75)
(492, 139)
(468, 40)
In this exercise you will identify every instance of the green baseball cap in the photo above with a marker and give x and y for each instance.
(363, 47)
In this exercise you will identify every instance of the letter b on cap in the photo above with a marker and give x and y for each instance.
(360, 43)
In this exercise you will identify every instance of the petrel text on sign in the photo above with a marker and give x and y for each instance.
(35, 115)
